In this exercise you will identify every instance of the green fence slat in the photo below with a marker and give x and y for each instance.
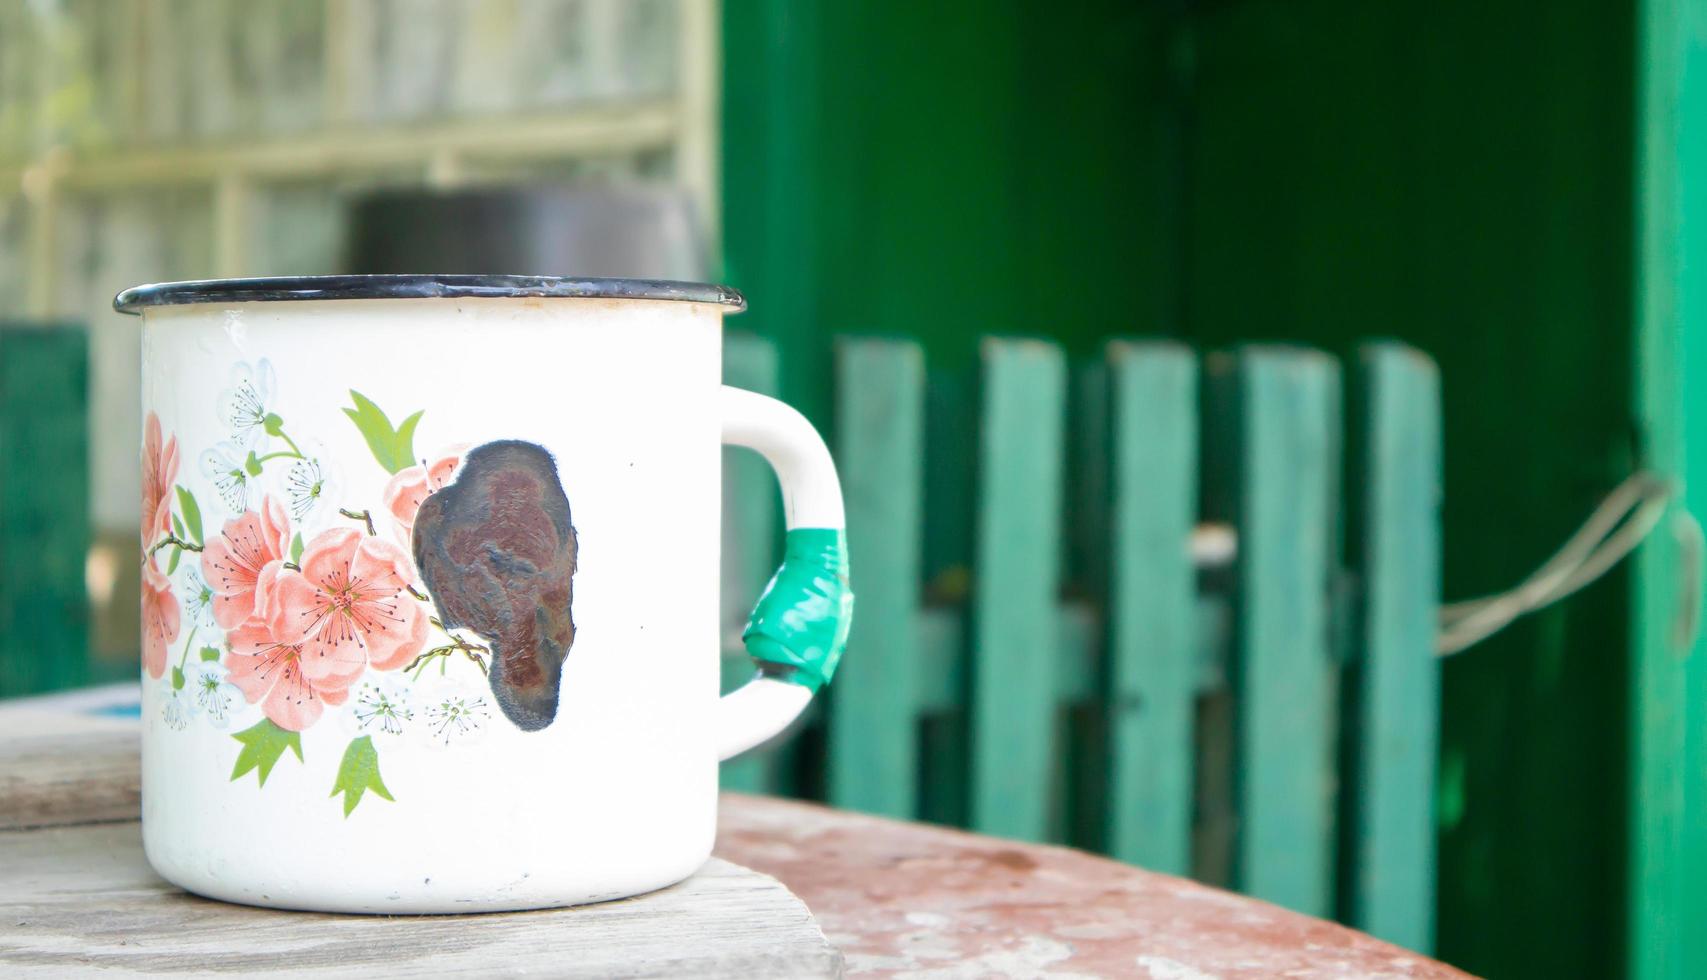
(1396, 690)
(44, 508)
(1153, 661)
(751, 517)
(1283, 671)
(873, 726)
(1015, 579)
(942, 672)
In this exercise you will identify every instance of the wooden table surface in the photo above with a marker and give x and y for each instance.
(898, 899)
(911, 900)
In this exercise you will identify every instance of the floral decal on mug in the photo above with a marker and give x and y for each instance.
(302, 606)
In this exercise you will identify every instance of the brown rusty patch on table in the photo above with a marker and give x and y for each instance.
(1012, 860)
(904, 899)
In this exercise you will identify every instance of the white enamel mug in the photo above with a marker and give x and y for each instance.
(430, 607)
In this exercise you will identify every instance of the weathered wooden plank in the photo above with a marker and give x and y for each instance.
(751, 517)
(71, 855)
(57, 883)
(1287, 458)
(1015, 579)
(1153, 663)
(1396, 695)
(959, 888)
(873, 718)
(44, 508)
(58, 769)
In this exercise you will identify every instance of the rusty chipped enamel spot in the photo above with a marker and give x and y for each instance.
(497, 552)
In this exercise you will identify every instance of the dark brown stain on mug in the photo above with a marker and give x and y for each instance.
(497, 551)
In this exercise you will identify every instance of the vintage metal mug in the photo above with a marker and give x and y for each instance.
(430, 574)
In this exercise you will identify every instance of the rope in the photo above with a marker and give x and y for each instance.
(1621, 522)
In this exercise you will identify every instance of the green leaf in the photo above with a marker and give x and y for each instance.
(404, 445)
(177, 678)
(358, 773)
(393, 448)
(177, 526)
(192, 515)
(273, 424)
(296, 550)
(262, 747)
(172, 562)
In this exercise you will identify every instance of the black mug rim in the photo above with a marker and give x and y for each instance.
(269, 289)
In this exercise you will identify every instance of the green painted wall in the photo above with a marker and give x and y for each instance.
(1690, 77)
(1668, 693)
(1454, 174)
(945, 169)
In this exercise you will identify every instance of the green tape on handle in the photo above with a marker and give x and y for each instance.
(802, 620)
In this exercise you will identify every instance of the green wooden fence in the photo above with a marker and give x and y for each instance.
(1040, 653)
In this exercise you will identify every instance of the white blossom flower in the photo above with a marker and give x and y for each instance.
(225, 465)
(454, 714)
(382, 706)
(309, 485)
(212, 694)
(247, 402)
(198, 598)
(178, 708)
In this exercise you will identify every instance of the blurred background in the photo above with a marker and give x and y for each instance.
(1513, 190)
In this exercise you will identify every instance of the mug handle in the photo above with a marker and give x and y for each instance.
(800, 626)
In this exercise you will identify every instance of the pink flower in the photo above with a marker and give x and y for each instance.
(159, 618)
(413, 484)
(270, 672)
(346, 608)
(159, 469)
(233, 562)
